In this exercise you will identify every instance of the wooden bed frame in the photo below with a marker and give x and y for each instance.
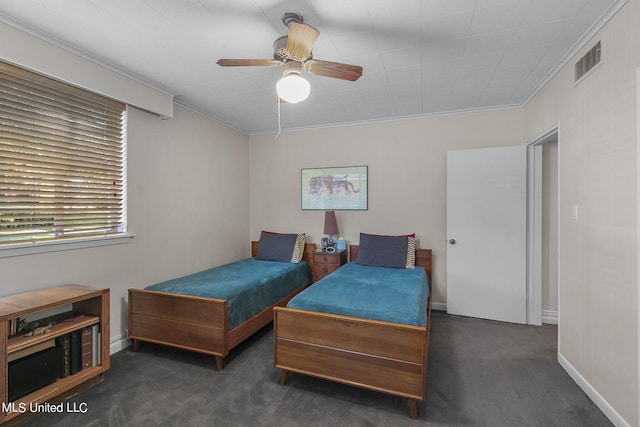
(196, 323)
(382, 356)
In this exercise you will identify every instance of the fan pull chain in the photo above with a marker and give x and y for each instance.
(279, 126)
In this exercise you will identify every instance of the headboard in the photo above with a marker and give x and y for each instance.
(423, 258)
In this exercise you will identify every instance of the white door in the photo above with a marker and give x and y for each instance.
(486, 232)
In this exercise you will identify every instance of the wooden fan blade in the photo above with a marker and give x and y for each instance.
(249, 63)
(335, 70)
(300, 41)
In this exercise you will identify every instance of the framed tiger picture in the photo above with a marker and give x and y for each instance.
(334, 188)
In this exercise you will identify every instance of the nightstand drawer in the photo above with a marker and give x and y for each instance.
(326, 259)
(325, 263)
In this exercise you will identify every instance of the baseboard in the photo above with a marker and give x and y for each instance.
(119, 343)
(440, 306)
(593, 394)
(550, 316)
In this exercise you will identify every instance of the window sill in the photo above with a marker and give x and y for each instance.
(19, 249)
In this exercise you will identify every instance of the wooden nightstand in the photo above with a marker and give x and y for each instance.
(327, 262)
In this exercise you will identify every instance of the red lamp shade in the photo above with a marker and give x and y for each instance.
(330, 223)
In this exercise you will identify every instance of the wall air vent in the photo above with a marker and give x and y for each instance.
(588, 61)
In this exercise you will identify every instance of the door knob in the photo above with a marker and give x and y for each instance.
(452, 241)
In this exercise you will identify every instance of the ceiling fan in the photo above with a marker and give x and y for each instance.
(294, 52)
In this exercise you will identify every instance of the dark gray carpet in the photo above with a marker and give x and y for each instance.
(481, 373)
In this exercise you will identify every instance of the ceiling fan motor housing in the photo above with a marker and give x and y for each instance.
(280, 48)
(289, 17)
(280, 52)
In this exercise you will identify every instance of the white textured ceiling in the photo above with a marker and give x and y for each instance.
(419, 56)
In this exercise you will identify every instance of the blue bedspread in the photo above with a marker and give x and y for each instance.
(378, 293)
(249, 285)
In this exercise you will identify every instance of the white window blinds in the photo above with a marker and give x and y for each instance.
(61, 160)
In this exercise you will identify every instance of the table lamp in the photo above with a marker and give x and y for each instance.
(330, 228)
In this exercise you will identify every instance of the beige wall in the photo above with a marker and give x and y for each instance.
(407, 176)
(188, 193)
(598, 252)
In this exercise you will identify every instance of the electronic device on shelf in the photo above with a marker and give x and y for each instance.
(328, 245)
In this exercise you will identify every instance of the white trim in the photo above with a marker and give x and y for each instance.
(534, 224)
(547, 135)
(18, 249)
(206, 115)
(534, 234)
(389, 119)
(550, 317)
(119, 343)
(593, 394)
(439, 306)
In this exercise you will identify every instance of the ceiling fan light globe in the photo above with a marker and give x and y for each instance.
(293, 88)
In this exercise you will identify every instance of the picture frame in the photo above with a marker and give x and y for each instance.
(334, 188)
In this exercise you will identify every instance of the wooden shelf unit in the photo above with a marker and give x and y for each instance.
(92, 303)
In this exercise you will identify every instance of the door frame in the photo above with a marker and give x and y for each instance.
(534, 223)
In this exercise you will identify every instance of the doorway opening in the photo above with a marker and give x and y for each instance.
(542, 225)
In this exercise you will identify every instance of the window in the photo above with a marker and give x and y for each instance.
(62, 160)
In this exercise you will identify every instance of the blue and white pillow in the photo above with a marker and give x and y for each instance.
(281, 247)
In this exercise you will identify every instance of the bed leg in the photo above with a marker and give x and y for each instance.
(413, 408)
(218, 363)
(283, 377)
(136, 345)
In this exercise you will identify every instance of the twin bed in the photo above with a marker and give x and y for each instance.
(362, 325)
(367, 324)
(213, 311)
